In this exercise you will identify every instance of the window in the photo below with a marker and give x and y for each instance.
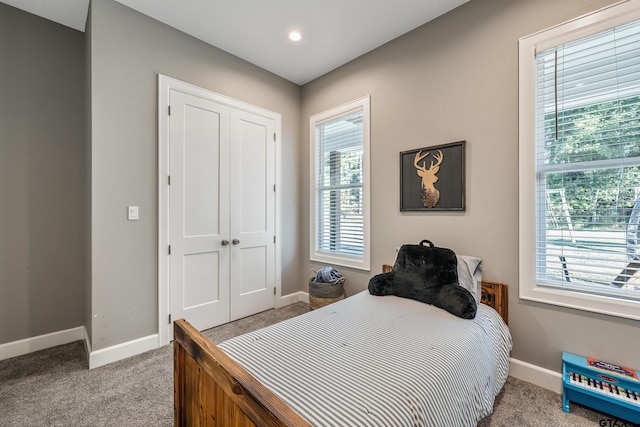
(580, 163)
(340, 185)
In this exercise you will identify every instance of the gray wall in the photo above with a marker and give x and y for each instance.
(88, 319)
(128, 50)
(42, 236)
(457, 79)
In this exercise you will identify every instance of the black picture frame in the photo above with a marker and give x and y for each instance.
(447, 163)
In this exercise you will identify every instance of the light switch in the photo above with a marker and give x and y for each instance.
(132, 213)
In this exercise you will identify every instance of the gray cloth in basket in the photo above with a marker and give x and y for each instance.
(327, 275)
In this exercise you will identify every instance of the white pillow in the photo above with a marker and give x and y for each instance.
(470, 275)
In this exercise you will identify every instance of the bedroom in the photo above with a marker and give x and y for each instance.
(428, 87)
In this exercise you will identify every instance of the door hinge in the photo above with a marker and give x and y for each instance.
(274, 136)
(274, 188)
(169, 317)
(169, 249)
(169, 109)
(274, 239)
(168, 179)
(274, 290)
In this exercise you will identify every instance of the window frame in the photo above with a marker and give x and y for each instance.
(529, 289)
(358, 262)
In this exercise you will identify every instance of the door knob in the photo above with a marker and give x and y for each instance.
(225, 242)
(235, 241)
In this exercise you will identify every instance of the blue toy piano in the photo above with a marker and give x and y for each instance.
(602, 386)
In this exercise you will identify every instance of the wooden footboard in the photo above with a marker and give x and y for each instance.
(210, 389)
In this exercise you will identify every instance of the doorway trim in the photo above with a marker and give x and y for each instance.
(165, 85)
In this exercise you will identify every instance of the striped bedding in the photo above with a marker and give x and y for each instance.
(381, 361)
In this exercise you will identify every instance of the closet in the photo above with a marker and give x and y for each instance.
(221, 207)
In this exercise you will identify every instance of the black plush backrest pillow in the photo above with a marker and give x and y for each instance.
(428, 274)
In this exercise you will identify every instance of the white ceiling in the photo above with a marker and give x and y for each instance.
(72, 13)
(333, 31)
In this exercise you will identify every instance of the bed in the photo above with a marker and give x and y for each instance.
(312, 371)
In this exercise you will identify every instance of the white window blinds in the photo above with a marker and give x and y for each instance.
(588, 163)
(339, 185)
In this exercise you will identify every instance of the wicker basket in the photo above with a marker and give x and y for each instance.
(321, 294)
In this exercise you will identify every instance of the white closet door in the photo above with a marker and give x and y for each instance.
(252, 220)
(199, 210)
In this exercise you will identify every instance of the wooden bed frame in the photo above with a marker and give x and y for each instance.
(210, 389)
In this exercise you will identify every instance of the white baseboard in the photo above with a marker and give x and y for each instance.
(41, 342)
(293, 298)
(122, 351)
(87, 342)
(534, 374)
(106, 355)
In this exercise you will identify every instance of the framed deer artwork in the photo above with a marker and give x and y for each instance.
(432, 178)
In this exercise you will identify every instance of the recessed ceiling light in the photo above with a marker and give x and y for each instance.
(295, 36)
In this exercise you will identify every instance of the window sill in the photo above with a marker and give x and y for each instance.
(610, 306)
(343, 261)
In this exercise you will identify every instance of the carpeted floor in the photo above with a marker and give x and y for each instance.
(53, 387)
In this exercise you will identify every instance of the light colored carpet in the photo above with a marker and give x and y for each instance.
(53, 387)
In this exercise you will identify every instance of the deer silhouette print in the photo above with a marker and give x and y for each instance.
(430, 194)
